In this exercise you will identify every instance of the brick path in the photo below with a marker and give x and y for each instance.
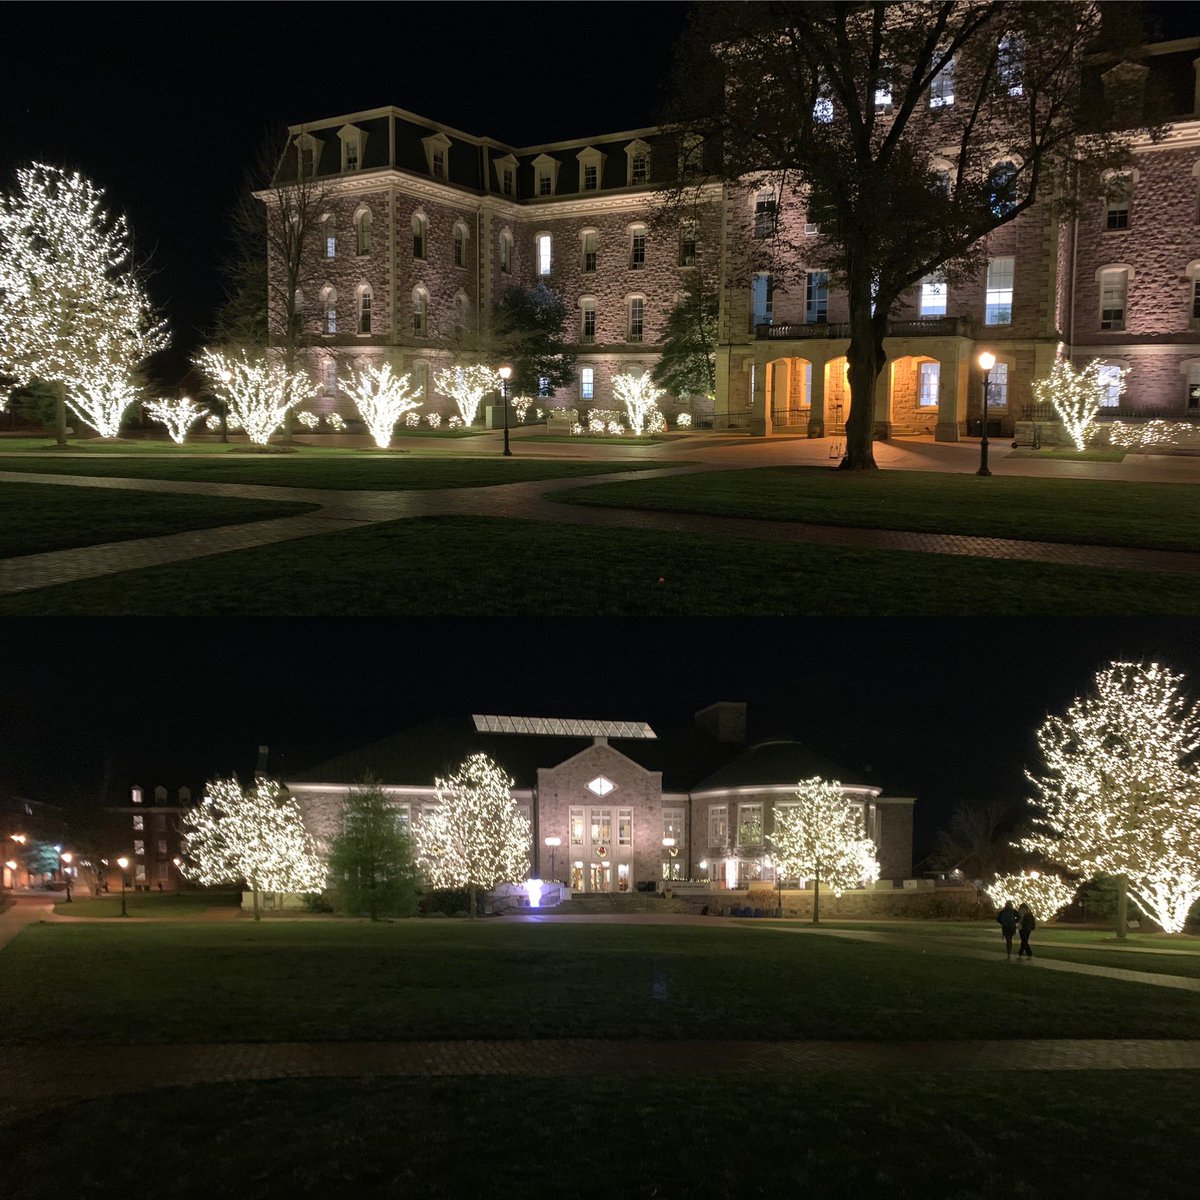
(516, 501)
(36, 1078)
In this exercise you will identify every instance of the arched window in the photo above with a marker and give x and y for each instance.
(587, 319)
(506, 252)
(328, 310)
(1114, 283)
(636, 307)
(764, 213)
(362, 231)
(542, 242)
(1002, 188)
(1010, 64)
(637, 247)
(420, 312)
(462, 311)
(420, 229)
(329, 235)
(590, 239)
(364, 308)
(460, 244)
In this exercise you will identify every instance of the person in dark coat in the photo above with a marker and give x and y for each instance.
(1026, 925)
(1008, 919)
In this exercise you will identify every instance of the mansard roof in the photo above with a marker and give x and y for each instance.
(779, 762)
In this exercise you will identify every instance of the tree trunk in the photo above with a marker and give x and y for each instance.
(817, 898)
(471, 894)
(60, 413)
(865, 359)
(1122, 906)
(257, 911)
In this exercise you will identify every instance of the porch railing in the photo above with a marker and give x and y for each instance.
(905, 327)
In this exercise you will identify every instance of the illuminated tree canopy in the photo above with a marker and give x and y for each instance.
(382, 399)
(177, 414)
(640, 397)
(467, 386)
(259, 391)
(1045, 893)
(1076, 395)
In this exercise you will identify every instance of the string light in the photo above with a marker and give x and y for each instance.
(1076, 395)
(1044, 892)
(639, 395)
(177, 415)
(467, 386)
(259, 392)
(382, 399)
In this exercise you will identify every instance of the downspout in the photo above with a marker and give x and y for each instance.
(1074, 259)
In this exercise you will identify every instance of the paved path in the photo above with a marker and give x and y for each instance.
(517, 501)
(22, 912)
(36, 1078)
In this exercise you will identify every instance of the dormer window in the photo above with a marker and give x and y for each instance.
(308, 153)
(545, 175)
(591, 168)
(439, 164)
(352, 139)
(437, 155)
(507, 186)
(591, 177)
(638, 163)
(506, 175)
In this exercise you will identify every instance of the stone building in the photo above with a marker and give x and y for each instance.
(629, 809)
(426, 227)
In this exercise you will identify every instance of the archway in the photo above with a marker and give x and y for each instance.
(914, 386)
(837, 394)
(789, 393)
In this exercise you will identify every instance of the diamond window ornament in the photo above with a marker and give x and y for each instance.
(601, 786)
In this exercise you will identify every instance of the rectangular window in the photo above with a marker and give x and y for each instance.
(1110, 377)
(816, 297)
(998, 386)
(352, 156)
(930, 374)
(1196, 298)
(545, 182)
(139, 847)
(164, 871)
(329, 373)
(587, 383)
(507, 181)
(588, 333)
(591, 244)
(439, 164)
(577, 827)
(162, 847)
(330, 245)
(543, 253)
(637, 250)
(764, 215)
(762, 300)
(639, 171)
(1116, 211)
(637, 312)
(750, 824)
(673, 824)
(1113, 286)
(625, 827)
(933, 296)
(364, 313)
(718, 825)
(591, 177)
(139, 822)
(1193, 389)
(941, 90)
(543, 387)
(687, 245)
(307, 161)
(601, 826)
(160, 822)
(139, 873)
(999, 298)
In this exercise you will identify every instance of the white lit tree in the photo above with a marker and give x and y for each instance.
(1120, 793)
(467, 386)
(1077, 395)
(73, 311)
(253, 837)
(178, 414)
(1044, 892)
(476, 838)
(822, 838)
(382, 399)
(640, 397)
(259, 391)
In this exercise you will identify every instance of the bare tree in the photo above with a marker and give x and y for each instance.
(979, 841)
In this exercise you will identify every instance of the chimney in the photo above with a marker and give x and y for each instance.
(1125, 92)
(725, 720)
(260, 767)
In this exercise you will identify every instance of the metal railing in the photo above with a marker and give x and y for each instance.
(791, 416)
(908, 327)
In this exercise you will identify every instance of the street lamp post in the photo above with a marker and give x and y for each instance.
(12, 874)
(987, 360)
(123, 863)
(669, 847)
(553, 843)
(66, 856)
(505, 374)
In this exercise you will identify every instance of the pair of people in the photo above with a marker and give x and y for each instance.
(1016, 920)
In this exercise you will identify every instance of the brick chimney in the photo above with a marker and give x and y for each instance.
(725, 720)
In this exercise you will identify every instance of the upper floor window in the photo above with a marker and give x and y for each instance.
(718, 824)
(364, 309)
(639, 167)
(420, 229)
(1002, 189)
(420, 312)
(816, 297)
(591, 247)
(687, 244)
(362, 231)
(637, 317)
(460, 244)
(762, 300)
(329, 311)
(587, 320)
(437, 154)
(542, 242)
(308, 161)
(941, 89)
(933, 296)
(462, 309)
(587, 382)
(328, 236)
(591, 176)
(439, 164)
(637, 247)
(673, 826)
(545, 182)
(998, 386)
(507, 181)
(764, 213)
(351, 156)
(352, 147)
(999, 295)
(1116, 202)
(1010, 64)
(1114, 294)
(883, 91)
(506, 251)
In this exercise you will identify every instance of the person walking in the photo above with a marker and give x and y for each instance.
(1008, 919)
(1026, 925)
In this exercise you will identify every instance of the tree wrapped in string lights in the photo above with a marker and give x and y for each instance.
(253, 837)
(177, 414)
(467, 386)
(1077, 395)
(822, 838)
(640, 397)
(258, 391)
(73, 311)
(382, 399)
(1046, 893)
(1120, 793)
(476, 838)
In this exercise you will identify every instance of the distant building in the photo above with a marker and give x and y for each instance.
(147, 832)
(629, 808)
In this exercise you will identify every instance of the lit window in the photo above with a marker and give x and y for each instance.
(718, 825)
(362, 230)
(1002, 189)
(637, 248)
(750, 824)
(999, 296)
(998, 386)
(543, 253)
(883, 94)
(329, 311)
(419, 228)
(591, 245)
(1112, 380)
(816, 297)
(1010, 64)
(625, 827)
(673, 824)
(591, 177)
(764, 214)
(420, 312)
(328, 237)
(139, 847)
(639, 167)
(933, 296)
(506, 249)
(587, 331)
(587, 384)
(577, 827)
(930, 376)
(601, 822)
(364, 310)
(543, 386)
(941, 89)
(687, 244)
(637, 313)
(601, 786)
(762, 300)
(139, 822)
(823, 110)
(1114, 286)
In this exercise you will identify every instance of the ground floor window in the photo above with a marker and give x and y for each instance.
(998, 386)
(930, 377)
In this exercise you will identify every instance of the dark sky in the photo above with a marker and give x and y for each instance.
(165, 105)
(943, 709)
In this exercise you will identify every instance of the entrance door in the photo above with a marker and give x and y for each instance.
(601, 877)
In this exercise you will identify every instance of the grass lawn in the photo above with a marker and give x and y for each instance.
(329, 980)
(1069, 455)
(972, 1136)
(594, 439)
(40, 517)
(184, 905)
(468, 566)
(334, 469)
(1056, 510)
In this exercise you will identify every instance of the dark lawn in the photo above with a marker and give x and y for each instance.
(40, 517)
(466, 566)
(1056, 510)
(185, 905)
(933, 1136)
(349, 470)
(331, 980)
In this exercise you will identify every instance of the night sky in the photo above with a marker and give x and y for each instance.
(943, 709)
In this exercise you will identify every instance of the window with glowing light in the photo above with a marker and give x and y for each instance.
(941, 89)
(750, 824)
(999, 296)
(930, 377)
(1110, 378)
(718, 824)
(933, 296)
(587, 383)
(577, 827)
(601, 820)
(625, 827)
(542, 242)
(998, 386)
(1010, 64)
(139, 822)
(672, 819)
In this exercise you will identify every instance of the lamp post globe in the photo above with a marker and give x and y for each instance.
(123, 863)
(505, 373)
(987, 360)
(66, 857)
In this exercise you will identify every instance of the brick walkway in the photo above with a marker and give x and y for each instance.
(516, 501)
(36, 1078)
